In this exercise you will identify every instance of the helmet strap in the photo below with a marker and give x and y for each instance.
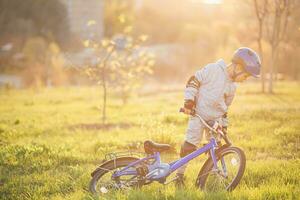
(234, 74)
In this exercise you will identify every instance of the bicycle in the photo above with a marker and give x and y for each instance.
(222, 170)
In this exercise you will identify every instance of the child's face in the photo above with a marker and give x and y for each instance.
(242, 74)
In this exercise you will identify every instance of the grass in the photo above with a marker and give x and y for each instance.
(51, 141)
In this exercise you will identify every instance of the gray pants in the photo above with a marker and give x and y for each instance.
(194, 134)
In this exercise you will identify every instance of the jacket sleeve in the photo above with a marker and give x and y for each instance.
(230, 96)
(194, 83)
(228, 100)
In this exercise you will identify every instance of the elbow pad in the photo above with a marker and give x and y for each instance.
(189, 104)
(193, 82)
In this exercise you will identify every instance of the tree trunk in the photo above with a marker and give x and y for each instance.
(104, 97)
(276, 59)
(263, 79)
(271, 71)
(261, 56)
(103, 79)
(260, 14)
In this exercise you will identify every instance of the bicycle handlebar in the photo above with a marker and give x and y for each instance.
(220, 132)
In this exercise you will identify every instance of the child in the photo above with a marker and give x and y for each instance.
(210, 92)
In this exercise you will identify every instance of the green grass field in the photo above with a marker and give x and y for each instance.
(52, 139)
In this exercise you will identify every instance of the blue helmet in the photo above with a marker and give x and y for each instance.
(249, 59)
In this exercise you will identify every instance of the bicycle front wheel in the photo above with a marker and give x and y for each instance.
(231, 164)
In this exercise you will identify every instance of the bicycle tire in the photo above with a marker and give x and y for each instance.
(109, 165)
(208, 165)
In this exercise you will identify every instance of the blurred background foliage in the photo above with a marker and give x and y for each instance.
(42, 41)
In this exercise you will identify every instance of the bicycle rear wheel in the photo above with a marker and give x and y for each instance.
(102, 182)
(231, 163)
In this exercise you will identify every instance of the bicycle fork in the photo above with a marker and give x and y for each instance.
(223, 171)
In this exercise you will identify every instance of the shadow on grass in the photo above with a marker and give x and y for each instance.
(100, 126)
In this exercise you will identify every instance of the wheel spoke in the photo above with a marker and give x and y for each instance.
(223, 180)
(104, 180)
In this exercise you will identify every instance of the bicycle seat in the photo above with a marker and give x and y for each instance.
(152, 147)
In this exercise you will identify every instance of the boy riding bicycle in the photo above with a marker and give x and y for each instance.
(210, 92)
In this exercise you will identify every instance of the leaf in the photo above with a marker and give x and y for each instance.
(128, 29)
(91, 22)
(113, 77)
(105, 42)
(129, 46)
(151, 63)
(139, 69)
(130, 75)
(109, 48)
(86, 43)
(151, 55)
(117, 63)
(122, 18)
(143, 38)
(100, 65)
(95, 46)
(148, 70)
(136, 46)
(141, 53)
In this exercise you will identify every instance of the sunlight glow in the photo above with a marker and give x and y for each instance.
(103, 190)
(211, 1)
(234, 161)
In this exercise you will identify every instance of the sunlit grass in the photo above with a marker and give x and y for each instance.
(51, 141)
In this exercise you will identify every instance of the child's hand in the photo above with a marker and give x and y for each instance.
(189, 104)
(187, 111)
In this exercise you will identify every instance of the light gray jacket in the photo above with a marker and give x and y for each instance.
(215, 93)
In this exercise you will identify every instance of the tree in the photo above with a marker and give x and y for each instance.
(292, 45)
(276, 29)
(31, 18)
(261, 11)
(119, 63)
(131, 69)
(22, 22)
(273, 23)
(43, 63)
(55, 66)
(35, 52)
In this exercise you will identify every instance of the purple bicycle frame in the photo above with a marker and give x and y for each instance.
(211, 146)
(182, 161)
